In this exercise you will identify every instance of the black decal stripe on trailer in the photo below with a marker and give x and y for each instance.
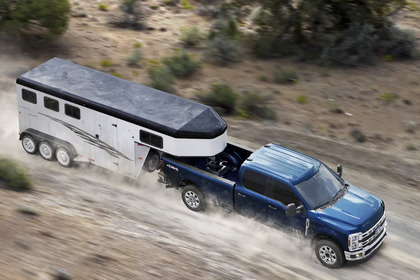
(147, 107)
(92, 140)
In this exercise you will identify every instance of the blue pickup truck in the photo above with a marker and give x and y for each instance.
(287, 190)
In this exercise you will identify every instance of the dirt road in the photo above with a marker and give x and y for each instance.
(96, 226)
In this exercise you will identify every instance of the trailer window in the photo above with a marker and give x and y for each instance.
(72, 111)
(29, 96)
(51, 104)
(151, 139)
(255, 181)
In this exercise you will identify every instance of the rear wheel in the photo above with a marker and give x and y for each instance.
(29, 144)
(193, 198)
(152, 161)
(329, 253)
(46, 150)
(63, 157)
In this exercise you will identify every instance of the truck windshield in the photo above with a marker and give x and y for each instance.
(321, 189)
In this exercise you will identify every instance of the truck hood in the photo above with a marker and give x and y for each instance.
(357, 209)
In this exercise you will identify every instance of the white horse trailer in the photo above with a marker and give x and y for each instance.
(77, 114)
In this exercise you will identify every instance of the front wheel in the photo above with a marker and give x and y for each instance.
(46, 150)
(193, 198)
(29, 144)
(63, 157)
(329, 253)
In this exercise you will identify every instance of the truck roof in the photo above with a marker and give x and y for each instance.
(157, 110)
(290, 165)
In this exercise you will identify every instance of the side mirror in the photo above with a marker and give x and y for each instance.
(339, 170)
(291, 210)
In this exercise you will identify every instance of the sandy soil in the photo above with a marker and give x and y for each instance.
(95, 226)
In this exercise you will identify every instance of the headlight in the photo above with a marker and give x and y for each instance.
(353, 241)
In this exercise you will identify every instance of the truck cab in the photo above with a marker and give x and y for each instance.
(295, 192)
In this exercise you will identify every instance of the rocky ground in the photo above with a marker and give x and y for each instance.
(92, 225)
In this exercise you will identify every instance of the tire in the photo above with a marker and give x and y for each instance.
(152, 161)
(63, 157)
(193, 198)
(46, 150)
(29, 144)
(329, 253)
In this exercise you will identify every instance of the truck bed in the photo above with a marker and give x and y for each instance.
(216, 176)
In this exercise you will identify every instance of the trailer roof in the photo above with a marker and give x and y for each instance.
(159, 111)
(290, 165)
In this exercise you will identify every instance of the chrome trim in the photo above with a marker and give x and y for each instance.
(351, 256)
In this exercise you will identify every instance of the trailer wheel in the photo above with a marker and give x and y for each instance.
(46, 150)
(329, 253)
(29, 144)
(152, 161)
(193, 198)
(63, 157)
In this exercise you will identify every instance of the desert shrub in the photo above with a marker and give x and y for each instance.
(285, 76)
(397, 44)
(103, 7)
(191, 36)
(221, 95)
(181, 64)
(133, 14)
(187, 5)
(135, 57)
(137, 45)
(161, 78)
(301, 99)
(356, 46)
(222, 51)
(410, 126)
(254, 104)
(388, 97)
(117, 74)
(14, 175)
(263, 78)
(106, 63)
(226, 28)
(19, 15)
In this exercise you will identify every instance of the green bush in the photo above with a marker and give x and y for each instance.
(161, 78)
(13, 175)
(388, 97)
(182, 64)
(285, 76)
(222, 51)
(254, 104)
(221, 95)
(106, 63)
(187, 5)
(302, 99)
(191, 36)
(103, 7)
(135, 57)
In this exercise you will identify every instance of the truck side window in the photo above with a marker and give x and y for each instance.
(254, 181)
(282, 192)
(51, 104)
(72, 111)
(29, 96)
(151, 139)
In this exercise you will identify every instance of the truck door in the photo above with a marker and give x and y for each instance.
(279, 196)
(250, 195)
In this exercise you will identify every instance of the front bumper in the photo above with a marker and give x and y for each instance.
(369, 249)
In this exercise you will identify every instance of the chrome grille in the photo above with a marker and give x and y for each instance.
(374, 232)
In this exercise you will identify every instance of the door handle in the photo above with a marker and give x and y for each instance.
(242, 195)
(272, 207)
